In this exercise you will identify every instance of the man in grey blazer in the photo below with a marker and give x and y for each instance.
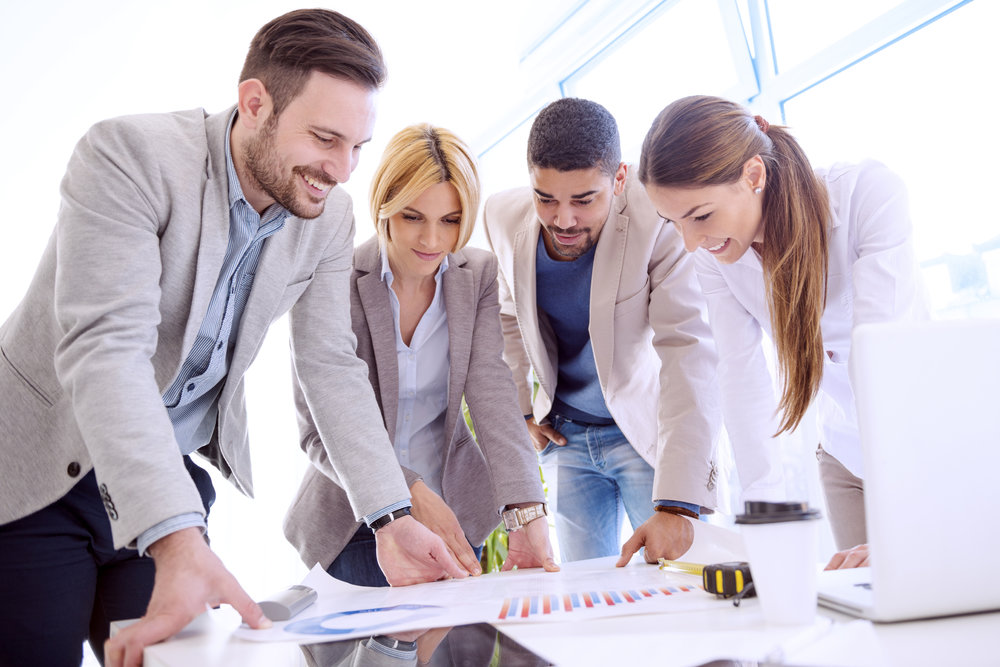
(180, 238)
(600, 301)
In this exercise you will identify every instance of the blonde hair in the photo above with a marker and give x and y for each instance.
(704, 140)
(416, 158)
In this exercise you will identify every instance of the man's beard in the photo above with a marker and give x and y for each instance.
(264, 168)
(573, 251)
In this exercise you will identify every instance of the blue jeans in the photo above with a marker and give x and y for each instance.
(600, 478)
(357, 563)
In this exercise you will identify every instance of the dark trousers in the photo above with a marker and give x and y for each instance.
(62, 581)
(357, 564)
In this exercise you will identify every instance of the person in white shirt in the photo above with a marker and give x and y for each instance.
(802, 255)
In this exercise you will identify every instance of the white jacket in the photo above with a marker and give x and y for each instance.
(873, 277)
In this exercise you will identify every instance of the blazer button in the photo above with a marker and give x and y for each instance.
(73, 469)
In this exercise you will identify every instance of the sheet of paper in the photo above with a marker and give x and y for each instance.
(714, 544)
(584, 589)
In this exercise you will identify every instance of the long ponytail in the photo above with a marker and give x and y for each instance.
(795, 260)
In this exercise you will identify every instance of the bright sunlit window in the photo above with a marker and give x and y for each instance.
(924, 109)
(686, 48)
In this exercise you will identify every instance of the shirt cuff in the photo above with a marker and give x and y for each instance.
(368, 518)
(171, 525)
(677, 503)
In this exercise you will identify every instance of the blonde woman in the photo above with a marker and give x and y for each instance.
(425, 313)
(802, 255)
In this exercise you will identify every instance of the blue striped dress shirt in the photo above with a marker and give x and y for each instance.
(192, 401)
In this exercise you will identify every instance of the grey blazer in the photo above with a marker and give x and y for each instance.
(115, 305)
(477, 479)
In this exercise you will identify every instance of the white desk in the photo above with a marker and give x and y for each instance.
(670, 640)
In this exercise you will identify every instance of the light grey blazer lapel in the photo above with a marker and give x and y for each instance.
(214, 227)
(380, 329)
(460, 303)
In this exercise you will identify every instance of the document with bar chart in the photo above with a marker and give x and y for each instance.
(589, 589)
(581, 590)
(539, 607)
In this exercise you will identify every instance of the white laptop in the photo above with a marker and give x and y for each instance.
(928, 400)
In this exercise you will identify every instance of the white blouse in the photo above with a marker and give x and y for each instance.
(423, 367)
(873, 277)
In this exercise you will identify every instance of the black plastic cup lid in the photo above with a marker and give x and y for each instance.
(758, 511)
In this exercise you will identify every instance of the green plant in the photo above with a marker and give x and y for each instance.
(494, 550)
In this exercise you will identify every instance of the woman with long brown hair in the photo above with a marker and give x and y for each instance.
(798, 254)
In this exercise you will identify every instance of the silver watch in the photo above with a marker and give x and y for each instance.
(519, 517)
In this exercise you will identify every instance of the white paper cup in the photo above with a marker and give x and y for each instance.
(780, 540)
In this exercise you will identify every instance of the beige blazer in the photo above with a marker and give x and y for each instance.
(477, 479)
(652, 346)
(115, 305)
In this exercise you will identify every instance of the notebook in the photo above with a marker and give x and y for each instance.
(928, 401)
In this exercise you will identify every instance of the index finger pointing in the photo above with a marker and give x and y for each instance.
(632, 545)
(249, 611)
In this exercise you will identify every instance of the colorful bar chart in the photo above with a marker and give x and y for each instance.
(535, 606)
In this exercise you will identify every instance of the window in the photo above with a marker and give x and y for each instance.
(801, 29)
(687, 48)
(936, 128)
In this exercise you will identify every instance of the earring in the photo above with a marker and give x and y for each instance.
(758, 190)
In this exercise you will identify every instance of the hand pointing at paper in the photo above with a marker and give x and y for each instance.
(409, 553)
(530, 547)
(189, 578)
(664, 535)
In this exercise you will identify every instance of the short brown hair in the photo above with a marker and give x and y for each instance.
(289, 48)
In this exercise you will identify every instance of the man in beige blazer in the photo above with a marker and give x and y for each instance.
(180, 238)
(600, 301)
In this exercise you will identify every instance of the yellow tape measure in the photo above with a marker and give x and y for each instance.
(725, 580)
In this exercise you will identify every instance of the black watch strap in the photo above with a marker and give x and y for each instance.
(386, 519)
(394, 644)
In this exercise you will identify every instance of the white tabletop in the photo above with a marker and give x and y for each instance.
(668, 639)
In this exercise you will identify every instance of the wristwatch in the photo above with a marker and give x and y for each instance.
(518, 517)
(386, 519)
(394, 644)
